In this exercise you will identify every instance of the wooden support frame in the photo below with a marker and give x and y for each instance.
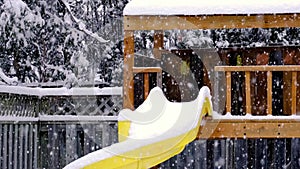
(219, 128)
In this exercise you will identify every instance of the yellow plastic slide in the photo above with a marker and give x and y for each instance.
(156, 131)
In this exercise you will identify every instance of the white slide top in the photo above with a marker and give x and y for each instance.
(211, 7)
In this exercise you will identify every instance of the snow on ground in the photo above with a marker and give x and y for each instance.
(155, 120)
(204, 7)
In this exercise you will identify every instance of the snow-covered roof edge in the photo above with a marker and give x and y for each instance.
(210, 7)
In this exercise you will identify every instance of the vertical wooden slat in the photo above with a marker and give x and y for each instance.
(128, 88)
(279, 153)
(30, 146)
(295, 153)
(10, 147)
(240, 153)
(203, 153)
(5, 139)
(52, 137)
(105, 135)
(294, 92)
(21, 149)
(146, 85)
(26, 146)
(228, 91)
(269, 89)
(261, 153)
(35, 147)
(248, 93)
(71, 152)
(1, 149)
(229, 150)
(16, 145)
(89, 136)
(98, 138)
(189, 155)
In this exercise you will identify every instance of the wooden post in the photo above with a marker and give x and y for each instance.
(158, 45)
(248, 92)
(228, 89)
(146, 85)
(269, 89)
(128, 86)
(294, 93)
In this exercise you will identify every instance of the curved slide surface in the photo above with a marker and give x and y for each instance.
(156, 131)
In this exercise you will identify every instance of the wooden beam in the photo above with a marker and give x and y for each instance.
(269, 91)
(158, 43)
(228, 92)
(263, 68)
(254, 129)
(146, 85)
(157, 51)
(210, 21)
(294, 93)
(248, 92)
(128, 86)
(147, 70)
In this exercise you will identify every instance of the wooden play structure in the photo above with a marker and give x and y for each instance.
(270, 121)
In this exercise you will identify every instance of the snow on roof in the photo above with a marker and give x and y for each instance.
(210, 7)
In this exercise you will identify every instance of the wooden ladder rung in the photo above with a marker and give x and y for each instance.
(147, 70)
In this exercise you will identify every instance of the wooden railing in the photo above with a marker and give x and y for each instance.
(269, 69)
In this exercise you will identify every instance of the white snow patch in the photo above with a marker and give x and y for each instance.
(204, 7)
(228, 116)
(8, 80)
(71, 118)
(16, 119)
(63, 91)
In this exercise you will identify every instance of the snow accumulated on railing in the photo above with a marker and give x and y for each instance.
(62, 91)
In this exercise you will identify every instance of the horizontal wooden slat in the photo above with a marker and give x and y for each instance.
(76, 118)
(264, 68)
(211, 22)
(216, 129)
(147, 69)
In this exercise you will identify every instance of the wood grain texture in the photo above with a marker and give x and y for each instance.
(210, 22)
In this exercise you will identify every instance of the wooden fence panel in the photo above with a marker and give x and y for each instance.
(53, 144)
